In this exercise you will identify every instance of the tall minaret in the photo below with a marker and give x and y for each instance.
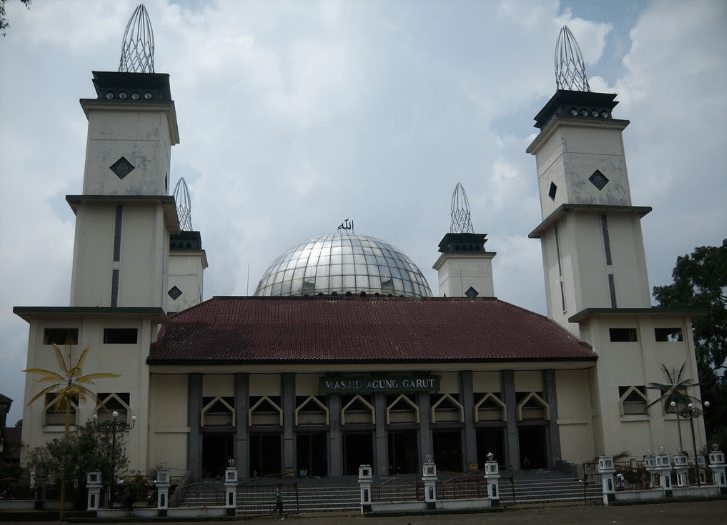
(125, 215)
(464, 268)
(593, 250)
(187, 259)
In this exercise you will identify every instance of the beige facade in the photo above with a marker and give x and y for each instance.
(132, 266)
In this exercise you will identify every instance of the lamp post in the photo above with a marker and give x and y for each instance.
(691, 413)
(114, 425)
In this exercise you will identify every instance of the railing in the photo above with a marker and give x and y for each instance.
(592, 483)
(397, 489)
(148, 488)
(462, 486)
(198, 495)
(632, 475)
(257, 495)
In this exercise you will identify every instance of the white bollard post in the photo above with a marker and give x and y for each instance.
(492, 475)
(231, 488)
(93, 484)
(682, 469)
(365, 479)
(163, 483)
(607, 469)
(664, 463)
(652, 467)
(430, 483)
(717, 464)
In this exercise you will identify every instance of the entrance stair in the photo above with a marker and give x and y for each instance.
(312, 496)
(341, 495)
(541, 487)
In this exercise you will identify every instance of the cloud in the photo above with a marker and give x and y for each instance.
(296, 115)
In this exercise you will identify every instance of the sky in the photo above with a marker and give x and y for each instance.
(294, 116)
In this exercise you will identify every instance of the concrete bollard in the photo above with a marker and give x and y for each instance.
(430, 483)
(492, 475)
(93, 484)
(365, 479)
(717, 464)
(607, 469)
(682, 469)
(231, 488)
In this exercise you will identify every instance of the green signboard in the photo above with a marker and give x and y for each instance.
(394, 384)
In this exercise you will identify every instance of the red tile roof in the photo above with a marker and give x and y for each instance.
(227, 330)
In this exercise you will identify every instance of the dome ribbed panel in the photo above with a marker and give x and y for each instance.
(343, 263)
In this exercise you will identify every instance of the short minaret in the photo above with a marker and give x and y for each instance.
(464, 268)
(187, 259)
(125, 215)
(593, 250)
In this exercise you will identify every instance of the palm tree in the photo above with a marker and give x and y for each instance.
(674, 390)
(68, 389)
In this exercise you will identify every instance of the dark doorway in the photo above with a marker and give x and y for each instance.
(403, 452)
(490, 440)
(217, 450)
(358, 449)
(265, 454)
(312, 455)
(447, 445)
(532, 447)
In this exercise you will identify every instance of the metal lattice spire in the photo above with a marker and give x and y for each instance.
(461, 222)
(570, 70)
(184, 205)
(137, 49)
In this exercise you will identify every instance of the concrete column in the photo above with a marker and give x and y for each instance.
(553, 431)
(469, 436)
(381, 446)
(335, 448)
(511, 436)
(425, 431)
(288, 399)
(194, 414)
(242, 444)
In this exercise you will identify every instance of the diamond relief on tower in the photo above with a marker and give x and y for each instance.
(174, 293)
(598, 179)
(122, 167)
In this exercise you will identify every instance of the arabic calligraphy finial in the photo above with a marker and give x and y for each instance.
(346, 225)
(460, 213)
(570, 70)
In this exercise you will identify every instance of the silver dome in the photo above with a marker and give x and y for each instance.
(343, 262)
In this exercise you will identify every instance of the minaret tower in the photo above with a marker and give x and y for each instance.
(124, 220)
(595, 267)
(125, 215)
(464, 268)
(593, 251)
(187, 259)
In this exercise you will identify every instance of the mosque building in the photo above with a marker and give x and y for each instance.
(344, 356)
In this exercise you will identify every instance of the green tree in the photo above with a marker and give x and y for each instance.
(700, 280)
(674, 389)
(4, 24)
(87, 450)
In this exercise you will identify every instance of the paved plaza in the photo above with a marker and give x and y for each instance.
(701, 513)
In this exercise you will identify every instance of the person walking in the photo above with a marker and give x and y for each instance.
(279, 501)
